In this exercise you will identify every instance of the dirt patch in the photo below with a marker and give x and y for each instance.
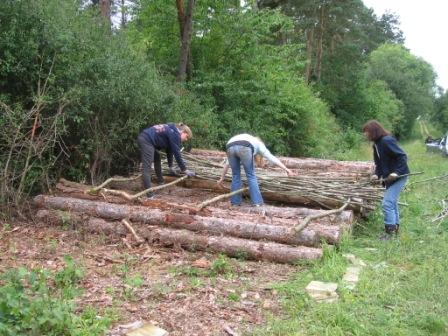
(186, 293)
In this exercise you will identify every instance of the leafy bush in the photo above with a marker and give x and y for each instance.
(103, 92)
(39, 302)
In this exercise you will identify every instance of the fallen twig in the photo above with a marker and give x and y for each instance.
(141, 193)
(221, 197)
(112, 179)
(132, 231)
(303, 224)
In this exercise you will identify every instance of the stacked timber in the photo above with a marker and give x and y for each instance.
(170, 220)
(324, 184)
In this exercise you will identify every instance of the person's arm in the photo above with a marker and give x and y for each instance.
(175, 150)
(400, 156)
(223, 175)
(268, 156)
(376, 159)
(169, 157)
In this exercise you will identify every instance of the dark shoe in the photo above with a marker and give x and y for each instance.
(390, 232)
(150, 196)
(160, 181)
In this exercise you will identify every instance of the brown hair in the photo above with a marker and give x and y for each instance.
(259, 160)
(374, 130)
(184, 128)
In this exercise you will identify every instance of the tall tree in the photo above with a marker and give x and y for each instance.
(186, 23)
(411, 79)
(105, 9)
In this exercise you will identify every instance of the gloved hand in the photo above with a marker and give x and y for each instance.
(392, 177)
(173, 171)
(189, 173)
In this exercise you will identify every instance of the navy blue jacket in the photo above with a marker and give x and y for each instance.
(167, 137)
(389, 158)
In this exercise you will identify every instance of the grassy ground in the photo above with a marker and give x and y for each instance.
(404, 288)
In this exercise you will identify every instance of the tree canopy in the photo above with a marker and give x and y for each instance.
(304, 76)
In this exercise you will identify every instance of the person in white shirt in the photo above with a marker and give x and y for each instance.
(241, 150)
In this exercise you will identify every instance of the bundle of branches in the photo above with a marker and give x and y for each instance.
(327, 191)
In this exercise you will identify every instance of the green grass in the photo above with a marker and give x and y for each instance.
(404, 288)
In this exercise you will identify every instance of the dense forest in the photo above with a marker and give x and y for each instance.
(80, 79)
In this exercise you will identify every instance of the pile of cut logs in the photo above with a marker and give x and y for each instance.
(278, 232)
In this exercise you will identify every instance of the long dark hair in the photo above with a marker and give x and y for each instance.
(374, 130)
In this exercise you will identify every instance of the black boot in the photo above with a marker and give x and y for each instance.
(389, 232)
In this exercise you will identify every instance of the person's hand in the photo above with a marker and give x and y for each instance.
(173, 171)
(291, 173)
(190, 173)
(374, 178)
(220, 182)
(392, 177)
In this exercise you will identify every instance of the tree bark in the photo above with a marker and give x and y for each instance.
(218, 226)
(67, 188)
(185, 40)
(309, 53)
(235, 247)
(320, 44)
(76, 221)
(105, 10)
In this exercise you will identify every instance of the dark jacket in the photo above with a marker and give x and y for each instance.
(389, 158)
(166, 137)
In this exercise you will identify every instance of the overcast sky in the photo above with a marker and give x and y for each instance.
(425, 27)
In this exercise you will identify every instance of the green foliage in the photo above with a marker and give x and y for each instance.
(253, 81)
(106, 92)
(440, 116)
(400, 291)
(410, 78)
(38, 302)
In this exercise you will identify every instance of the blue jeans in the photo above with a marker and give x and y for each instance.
(242, 155)
(390, 202)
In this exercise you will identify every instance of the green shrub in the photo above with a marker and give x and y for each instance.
(38, 302)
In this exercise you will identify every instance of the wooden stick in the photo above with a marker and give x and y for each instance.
(296, 229)
(141, 193)
(109, 180)
(221, 197)
(132, 231)
(430, 179)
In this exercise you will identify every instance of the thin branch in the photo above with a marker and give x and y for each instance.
(296, 229)
(141, 193)
(128, 225)
(220, 197)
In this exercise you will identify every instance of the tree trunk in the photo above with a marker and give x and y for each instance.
(105, 11)
(185, 40)
(235, 247)
(320, 46)
(309, 53)
(218, 226)
(67, 188)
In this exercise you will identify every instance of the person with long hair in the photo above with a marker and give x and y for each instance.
(169, 138)
(391, 169)
(241, 150)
